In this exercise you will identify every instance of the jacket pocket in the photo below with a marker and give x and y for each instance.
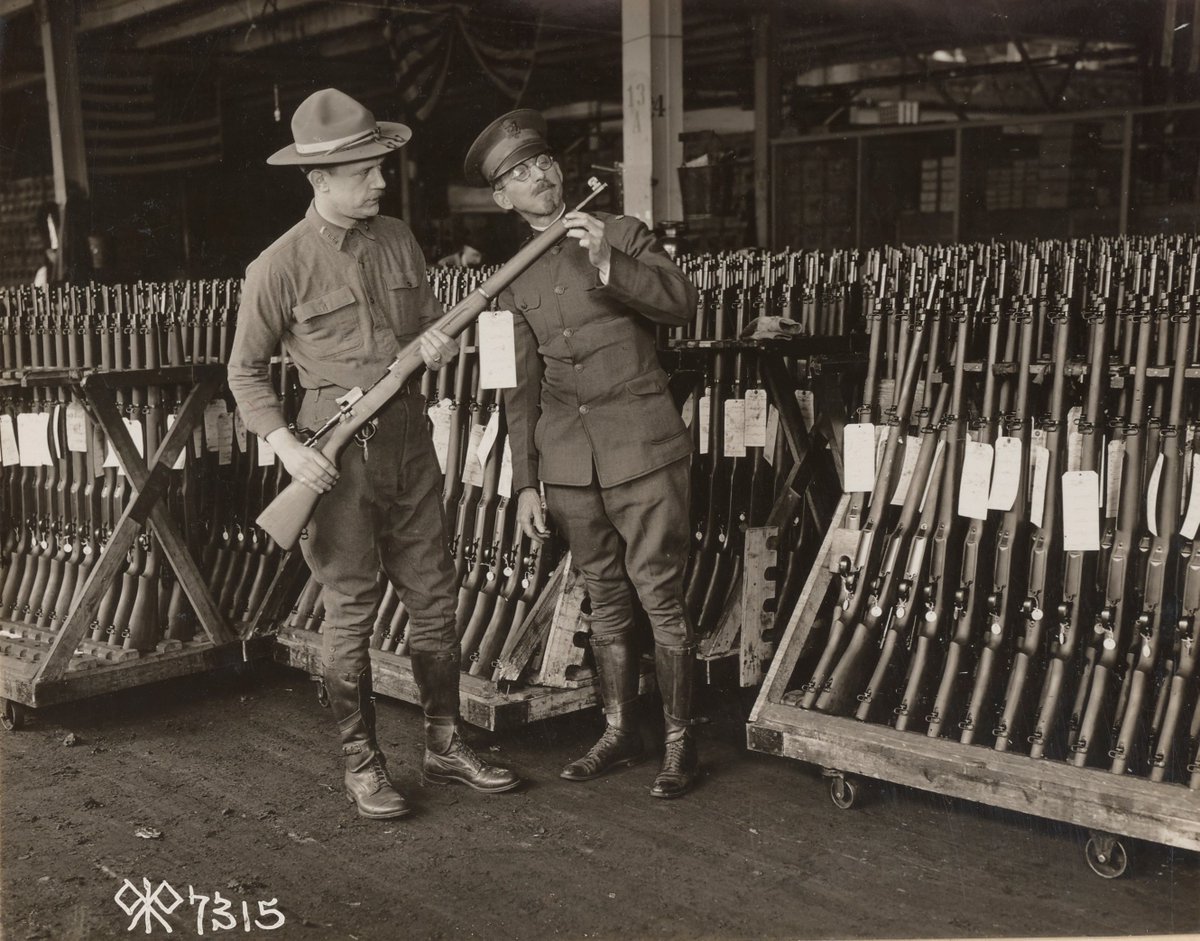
(528, 302)
(401, 280)
(648, 383)
(329, 323)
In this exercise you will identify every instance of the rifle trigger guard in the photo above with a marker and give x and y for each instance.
(366, 432)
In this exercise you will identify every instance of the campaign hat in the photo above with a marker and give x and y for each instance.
(503, 144)
(330, 127)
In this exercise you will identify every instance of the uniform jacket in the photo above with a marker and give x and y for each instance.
(590, 389)
(343, 301)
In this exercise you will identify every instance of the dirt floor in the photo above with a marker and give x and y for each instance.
(237, 774)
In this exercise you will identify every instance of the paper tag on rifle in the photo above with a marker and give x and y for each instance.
(704, 416)
(491, 432)
(239, 430)
(1039, 474)
(975, 480)
(735, 428)
(912, 448)
(1152, 495)
(1112, 486)
(10, 453)
(472, 473)
(178, 465)
(1191, 519)
(33, 439)
(439, 417)
(135, 433)
(1081, 518)
(214, 412)
(505, 486)
(772, 434)
(808, 407)
(934, 471)
(1006, 474)
(887, 392)
(76, 428)
(858, 457)
(225, 439)
(688, 409)
(756, 418)
(497, 350)
(266, 453)
(1074, 439)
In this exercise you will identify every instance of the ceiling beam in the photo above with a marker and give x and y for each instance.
(308, 26)
(100, 15)
(222, 16)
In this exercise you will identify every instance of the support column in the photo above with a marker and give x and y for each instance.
(57, 19)
(652, 75)
(766, 118)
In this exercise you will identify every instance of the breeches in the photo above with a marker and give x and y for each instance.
(635, 532)
(384, 512)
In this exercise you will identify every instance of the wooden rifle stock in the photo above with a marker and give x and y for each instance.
(287, 515)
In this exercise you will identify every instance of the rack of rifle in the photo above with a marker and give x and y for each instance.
(1015, 569)
(116, 573)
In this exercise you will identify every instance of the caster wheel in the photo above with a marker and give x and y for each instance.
(1106, 856)
(843, 792)
(14, 716)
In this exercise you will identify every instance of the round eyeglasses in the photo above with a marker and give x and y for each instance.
(522, 170)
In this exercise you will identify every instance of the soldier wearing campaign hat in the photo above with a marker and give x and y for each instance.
(345, 290)
(591, 421)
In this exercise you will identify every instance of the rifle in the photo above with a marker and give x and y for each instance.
(475, 601)
(510, 568)
(288, 513)
(1000, 599)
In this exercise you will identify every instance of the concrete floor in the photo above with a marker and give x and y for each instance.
(238, 774)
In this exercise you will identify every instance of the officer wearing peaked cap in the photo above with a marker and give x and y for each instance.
(591, 419)
(345, 290)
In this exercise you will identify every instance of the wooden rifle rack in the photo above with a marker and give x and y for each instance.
(1086, 797)
(61, 666)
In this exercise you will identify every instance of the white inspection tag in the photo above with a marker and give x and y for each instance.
(76, 428)
(735, 428)
(439, 417)
(505, 485)
(497, 350)
(935, 470)
(687, 412)
(472, 473)
(1192, 519)
(10, 453)
(32, 441)
(239, 430)
(858, 457)
(912, 449)
(1152, 495)
(135, 433)
(975, 480)
(491, 431)
(1039, 474)
(1081, 515)
(214, 413)
(756, 418)
(808, 408)
(178, 465)
(266, 453)
(225, 439)
(1006, 474)
(772, 434)
(1115, 466)
(704, 416)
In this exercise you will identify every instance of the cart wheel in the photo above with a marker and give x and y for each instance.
(14, 716)
(842, 791)
(1106, 856)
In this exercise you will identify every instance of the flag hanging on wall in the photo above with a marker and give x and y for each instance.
(128, 130)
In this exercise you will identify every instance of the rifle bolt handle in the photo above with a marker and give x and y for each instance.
(1109, 642)
(901, 611)
(930, 616)
(876, 611)
(994, 628)
(1036, 614)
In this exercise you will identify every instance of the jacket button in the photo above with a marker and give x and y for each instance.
(578, 367)
(583, 410)
(568, 332)
(559, 289)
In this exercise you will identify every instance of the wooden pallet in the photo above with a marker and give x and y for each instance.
(482, 702)
(1087, 797)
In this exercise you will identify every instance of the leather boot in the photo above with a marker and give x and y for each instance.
(448, 759)
(366, 780)
(621, 743)
(675, 668)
